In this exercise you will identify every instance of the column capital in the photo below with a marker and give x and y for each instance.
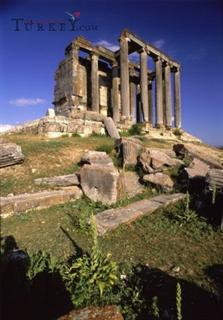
(94, 55)
(124, 39)
(142, 50)
(156, 58)
(176, 69)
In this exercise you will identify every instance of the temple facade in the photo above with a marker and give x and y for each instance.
(137, 83)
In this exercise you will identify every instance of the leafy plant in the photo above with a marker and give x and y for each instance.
(89, 276)
(155, 308)
(179, 301)
(41, 262)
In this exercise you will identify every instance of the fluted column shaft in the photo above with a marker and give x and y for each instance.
(115, 93)
(94, 83)
(144, 84)
(150, 96)
(159, 93)
(124, 65)
(177, 99)
(133, 100)
(167, 85)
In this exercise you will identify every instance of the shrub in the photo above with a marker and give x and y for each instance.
(177, 132)
(136, 129)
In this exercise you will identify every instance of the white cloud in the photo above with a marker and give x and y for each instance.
(159, 43)
(107, 44)
(25, 102)
(5, 127)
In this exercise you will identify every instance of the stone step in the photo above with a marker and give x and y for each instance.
(110, 219)
(29, 201)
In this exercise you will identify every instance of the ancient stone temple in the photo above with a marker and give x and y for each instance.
(112, 84)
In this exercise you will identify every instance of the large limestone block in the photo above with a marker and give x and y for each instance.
(100, 183)
(197, 168)
(94, 313)
(110, 219)
(214, 179)
(96, 157)
(160, 160)
(130, 186)
(29, 201)
(111, 128)
(196, 151)
(159, 179)
(153, 160)
(10, 154)
(59, 181)
(129, 149)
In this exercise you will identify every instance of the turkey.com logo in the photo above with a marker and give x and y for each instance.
(53, 25)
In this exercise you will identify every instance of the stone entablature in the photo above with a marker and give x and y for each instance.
(98, 79)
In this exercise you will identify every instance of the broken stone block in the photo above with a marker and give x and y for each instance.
(160, 160)
(195, 151)
(130, 184)
(10, 154)
(59, 181)
(39, 200)
(100, 183)
(159, 179)
(111, 128)
(129, 150)
(50, 113)
(96, 157)
(110, 219)
(197, 168)
(153, 160)
(97, 313)
(214, 179)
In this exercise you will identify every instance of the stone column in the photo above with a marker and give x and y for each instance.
(133, 100)
(124, 65)
(94, 83)
(159, 93)
(150, 94)
(177, 99)
(167, 88)
(144, 84)
(115, 93)
(74, 96)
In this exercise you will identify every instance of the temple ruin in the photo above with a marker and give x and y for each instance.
(97, 79)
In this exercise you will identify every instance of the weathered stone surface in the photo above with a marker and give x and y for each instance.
(96, 157)
(94, 313)
(145, 161)
(59, 181)
(10, 154)
(197, 168)
(159, 179)
(111, 128)
(130, 184)
(129, 150)
(214, 179)
(153, 160)
(50, 113)
(195, 151)
(100, 183)
(39, 200)
(112, 218)
(160, 159)
(88, 115)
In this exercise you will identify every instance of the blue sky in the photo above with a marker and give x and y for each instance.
(189, 31)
